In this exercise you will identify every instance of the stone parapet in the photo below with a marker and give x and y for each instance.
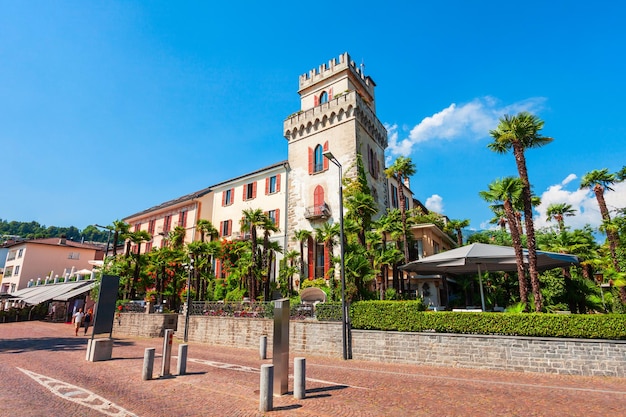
(522, 354)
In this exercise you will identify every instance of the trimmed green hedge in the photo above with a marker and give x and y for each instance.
(406, 317)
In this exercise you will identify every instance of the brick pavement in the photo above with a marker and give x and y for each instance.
(225, 382)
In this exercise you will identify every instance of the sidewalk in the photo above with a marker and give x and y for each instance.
(225, 382)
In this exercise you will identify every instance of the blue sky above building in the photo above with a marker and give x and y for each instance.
(108, 108)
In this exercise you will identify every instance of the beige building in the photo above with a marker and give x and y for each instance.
(40, 260)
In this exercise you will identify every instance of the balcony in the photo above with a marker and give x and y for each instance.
(321, 211)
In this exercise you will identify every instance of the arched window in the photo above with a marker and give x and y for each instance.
(324, 97)
(318, 163)
(318, 199)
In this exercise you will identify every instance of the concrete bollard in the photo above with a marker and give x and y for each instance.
(299, 378)
(148, 364)
(263, 348)
(266, 401)
(167, 352)
(182, 359)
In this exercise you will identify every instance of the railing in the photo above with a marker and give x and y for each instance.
(320, 211)
(249, 310)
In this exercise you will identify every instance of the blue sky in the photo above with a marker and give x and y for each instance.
(111, 107)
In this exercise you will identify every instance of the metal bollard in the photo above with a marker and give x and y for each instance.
(299, 378)
(167, 352)
(182, 359)
(266, 393)
(263, 348)
(148, 364)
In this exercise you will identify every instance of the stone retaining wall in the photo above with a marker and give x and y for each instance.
(524, 354)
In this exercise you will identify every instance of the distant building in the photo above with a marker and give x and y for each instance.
(37, 260)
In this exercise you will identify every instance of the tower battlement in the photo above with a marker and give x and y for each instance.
(333, 67)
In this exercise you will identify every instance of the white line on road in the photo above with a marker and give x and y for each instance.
(79, 395)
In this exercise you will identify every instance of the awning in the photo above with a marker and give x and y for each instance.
(42, 293)
(76, 292)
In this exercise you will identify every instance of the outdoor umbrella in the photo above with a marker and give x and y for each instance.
(469, 259)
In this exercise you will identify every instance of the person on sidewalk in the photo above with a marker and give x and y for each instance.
(78, 320)
(87, 319)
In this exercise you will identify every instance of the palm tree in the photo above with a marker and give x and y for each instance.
(120, 229)
(507, 191)
(401, 169)
(599, 181)
(457, 226)
(558, 211)
(269, 227)
(389, 224)
(206, 228)
(137, 238)
(518, 133)
(327, 234)
(252, 219)
(290, 260)
(302, 236)
(177, 237)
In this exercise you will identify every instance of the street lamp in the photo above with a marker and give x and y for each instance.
(110, 229)
(188, 309)
(344, 310)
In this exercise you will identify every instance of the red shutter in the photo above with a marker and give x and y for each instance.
(232, 195)
(230, 227)
(223, 198)
(316, 101)
(377, 166)
(324, 158)
(326, 262)
(277, 223)
(330, 94)
(311, 161)
(277, 182)
(221, 228)
(310, 258)
(245, 191)
(254, 189)
(218, 268)
(267, 185)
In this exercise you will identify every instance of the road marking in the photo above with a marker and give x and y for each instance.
(79, 395)
(243, 368)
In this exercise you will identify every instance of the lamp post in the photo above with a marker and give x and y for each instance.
(344, 310)
(188, 309)
(110, 229)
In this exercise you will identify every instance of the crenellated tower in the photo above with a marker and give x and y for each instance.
(337, 114)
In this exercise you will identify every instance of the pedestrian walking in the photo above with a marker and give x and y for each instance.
(77, 318)
(87, 319)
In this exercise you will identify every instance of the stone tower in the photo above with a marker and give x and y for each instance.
(337, 114)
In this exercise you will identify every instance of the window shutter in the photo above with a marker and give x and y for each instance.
(218, 268)
(254, 189)
(230, 227)
(377, 167)
(232, 195)
(277, 182)
(316, 101)
(245, 191)
(323, 157)
(326, 262)
(330, 94)
(310, 259)
(221, 229)
(267, 185)
(277, 217)
(311, 161)
(223, 198)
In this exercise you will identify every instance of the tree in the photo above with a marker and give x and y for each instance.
(206, 228)
(252, 219)
(269, 248)
(507, 191)
(558, 211)
(120, 229)
(302, 236)
(600, 181)
(457, 226)
(519, 133)
(401, 169)
(137, 238)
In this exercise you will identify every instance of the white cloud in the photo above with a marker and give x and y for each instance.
(583, 201)
(471, 120)
(434, 203)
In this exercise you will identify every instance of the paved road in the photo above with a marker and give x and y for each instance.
(43, 372)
